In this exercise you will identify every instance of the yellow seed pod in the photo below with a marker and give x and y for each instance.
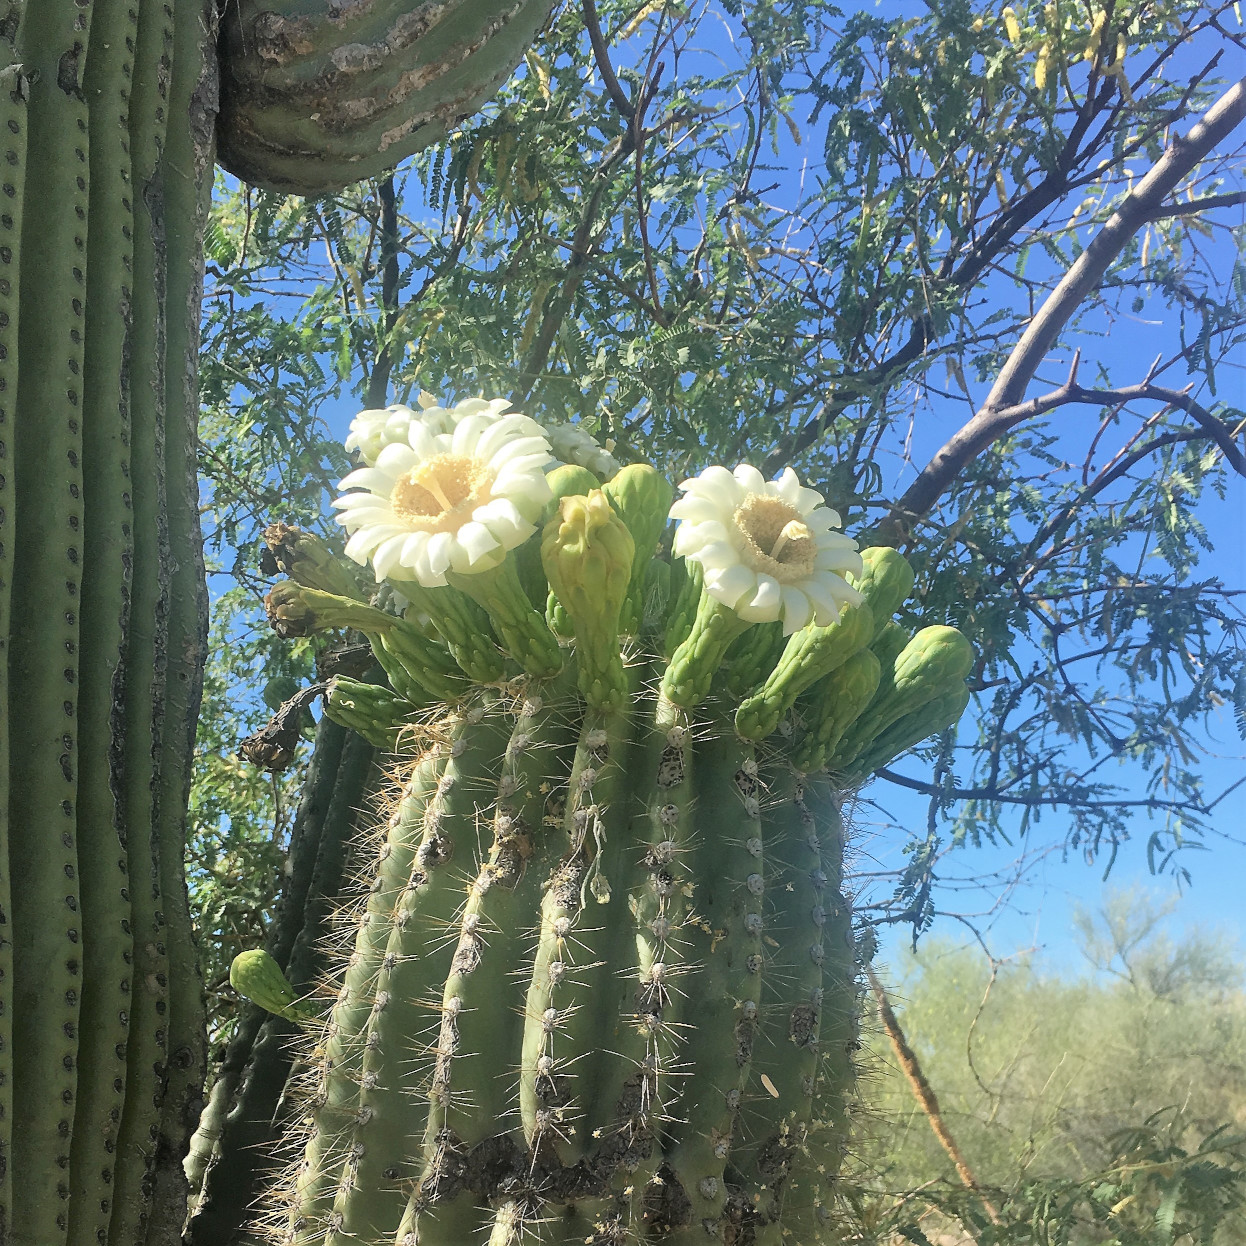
(978, 23)
(1011, 25)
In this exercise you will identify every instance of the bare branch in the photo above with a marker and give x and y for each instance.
(601, 54)
(1206, 203)
(1003, 407)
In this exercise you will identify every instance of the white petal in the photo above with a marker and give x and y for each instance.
(750, 479)
(371, 478)
(730, 584)
(395, 459)
(422, 440)
(695, 509)
(824, 592)
(504, 520)
(797, 609)
(765, 603)
(467, 433)
(386, 555)
(473, 541)
(439, 546)
(355, 502)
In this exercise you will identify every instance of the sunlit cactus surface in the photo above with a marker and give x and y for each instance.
(600, 983)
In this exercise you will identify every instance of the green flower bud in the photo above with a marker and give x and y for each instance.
(587, 553)
(257, 977)
(641, 497)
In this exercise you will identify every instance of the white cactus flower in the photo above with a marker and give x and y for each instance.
(372, 430)
(462, 488)
(768, 548)
(571, 444)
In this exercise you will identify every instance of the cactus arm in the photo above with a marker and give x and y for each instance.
(726, 996)
(341, 1048)
(386, 1138)
(298, 119)
(13, 136)
(107, 546)
(43, 659)
(13, 124)
(146, 649)
(811, 653)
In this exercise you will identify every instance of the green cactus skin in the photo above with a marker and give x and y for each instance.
(13, 125)
(317, 96)
(340, 1050)
(831, 706)
(885, 581)
(107, 550)
(726, 996)
(401, 1032)
(810, 654)
(43, 658)
(641, 496)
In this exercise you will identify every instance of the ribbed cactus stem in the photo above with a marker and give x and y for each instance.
(409, 1024)
(341, 1048)
(725, 997)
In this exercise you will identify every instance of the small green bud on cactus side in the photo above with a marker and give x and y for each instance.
(257, 977)
(587, 553)
(641, 496)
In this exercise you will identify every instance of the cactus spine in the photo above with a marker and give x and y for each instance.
(604, 985)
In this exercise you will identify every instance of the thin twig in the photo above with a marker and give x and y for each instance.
(911, 1067)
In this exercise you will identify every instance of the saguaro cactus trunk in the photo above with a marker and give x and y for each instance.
(105, 130)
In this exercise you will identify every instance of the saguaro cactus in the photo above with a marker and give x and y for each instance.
(105, 131)
(602, 983)
(107, 111)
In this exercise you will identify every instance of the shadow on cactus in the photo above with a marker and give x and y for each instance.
(603, 980)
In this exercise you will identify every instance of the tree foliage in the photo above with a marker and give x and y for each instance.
(782, 232)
